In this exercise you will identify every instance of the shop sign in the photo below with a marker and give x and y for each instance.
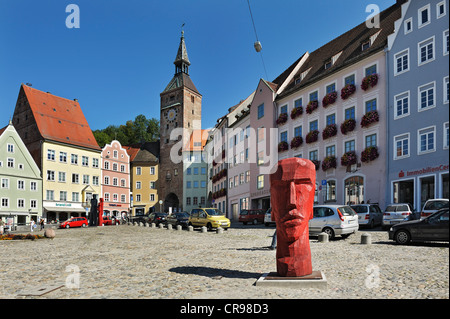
(425, 170)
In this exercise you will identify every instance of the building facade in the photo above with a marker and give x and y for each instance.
(144, 175)
(115, 180)
(61, 142)
(180, 114)
(21, 181)
(333, 113)
(418, 100)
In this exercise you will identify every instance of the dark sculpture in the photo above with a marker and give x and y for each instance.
(292, 189)
(93, 214)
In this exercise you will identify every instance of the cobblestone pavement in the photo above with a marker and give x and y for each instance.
(142, 262)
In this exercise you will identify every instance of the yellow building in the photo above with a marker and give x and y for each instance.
(61, 142)
(144, 162)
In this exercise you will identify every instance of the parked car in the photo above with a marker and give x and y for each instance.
(140, 218)
(157, 218)
(396, 213)
(335, 220)
(369, 215)
(108, 220)
(432, 228)
(433, 205)
(253, 216)
(209, 217)
(176, 219)
(74, 222)
(268, 218)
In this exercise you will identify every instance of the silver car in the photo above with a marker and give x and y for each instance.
(335, 220)
(369, 215)
(396, 213)
(268, 218)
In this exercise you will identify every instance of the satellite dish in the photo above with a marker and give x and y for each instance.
(258, 46)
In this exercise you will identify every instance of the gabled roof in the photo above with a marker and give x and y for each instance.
(59, 119)
(343, 51)
(143, 152)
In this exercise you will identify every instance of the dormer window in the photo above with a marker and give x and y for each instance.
(365, 45)
(328, 64)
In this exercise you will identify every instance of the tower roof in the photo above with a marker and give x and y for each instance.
(182, 55)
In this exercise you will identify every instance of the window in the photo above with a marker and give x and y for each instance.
(331, 88)
(260, 111)
(446, 90)
(152, 185)
(21, 185)
(50, 175)
(260, 181)
(371, 105)
(138, 170)
(283, 109)
(441, 10)
(95, 162)
(188, 201)
(138, 185)
(122, 169)
(106, 164)
(74, 159)
(408, 26)
(86, 180)
(401, 62)
(115, 180)
(5, 183)
(75, 179)
(314, 155)
(63, 157)
(426, 138)
(75, 197)
(95, 180)
(189, 184)
(261, 158)
(260, 135)
(203, 184)
(247, 176)
(84, 161)
(330, 151)
(195, 200)
(10, 148)
(152, 198)
(62, 177)
(298, 131)
(189, 171)
(33, 186)
(350, 80)
(426, 96)
(331, 119)
(349, 146)
(33, 203)
(424, 16)
(50, 155)
(371, 70)
(138, 197)
(401, 105)
(350, 113)
(314, 96)
(20, 203)
(195, 170)
(50, 195)
(371, 140)
(365, 45)
(283, 137)
(445, 42)
(328, 64)
(298, 102)
(5, 202)
(446, 136)
(313, 125)
(152, 170)
(63, 195)
(10, 162)
(426, 51)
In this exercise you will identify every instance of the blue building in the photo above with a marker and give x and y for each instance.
(418, 104)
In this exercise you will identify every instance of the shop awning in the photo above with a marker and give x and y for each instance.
(65, 209)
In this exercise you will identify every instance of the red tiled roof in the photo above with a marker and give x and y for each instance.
(132, 151)
(59, 119)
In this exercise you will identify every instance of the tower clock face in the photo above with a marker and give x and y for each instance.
(171, 115)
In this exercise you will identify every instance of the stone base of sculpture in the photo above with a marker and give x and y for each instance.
(315, 280)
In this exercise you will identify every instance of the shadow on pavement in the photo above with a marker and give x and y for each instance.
(215, 273)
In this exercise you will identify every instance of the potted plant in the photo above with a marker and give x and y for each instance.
(329, 131)
(312, 105)
(330, 98)
(348, 126)
(282, 118)
(329, 162)
(312, 136)
(283, 146)
(296, 141)
(347, 91)
(296, 112)
(369, 154)
(369, 118)
(348, 158)
(369, 81)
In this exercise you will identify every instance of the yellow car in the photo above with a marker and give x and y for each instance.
(209, 217)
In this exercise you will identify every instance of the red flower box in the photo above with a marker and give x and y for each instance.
(296, 142)
(296, 112)
(312, 136)
(329, 162)
(369, 154)
(330, 98)
(282, 118)
(312, 105)
(348, 158)
(369, 118)
(347, 91)
(329, 131)
(283, 146)
(348, 126)
(369, 81)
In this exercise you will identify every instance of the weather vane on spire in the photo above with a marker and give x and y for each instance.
(182, 31)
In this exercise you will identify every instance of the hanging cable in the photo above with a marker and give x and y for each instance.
(257, 44)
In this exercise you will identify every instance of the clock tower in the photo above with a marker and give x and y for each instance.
(181, 108)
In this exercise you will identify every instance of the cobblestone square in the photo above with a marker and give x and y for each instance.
(142, 262)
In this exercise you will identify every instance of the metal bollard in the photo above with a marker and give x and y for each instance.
(323, 238)
(366, 239)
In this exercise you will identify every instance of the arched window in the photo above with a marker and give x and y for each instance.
(354, 190)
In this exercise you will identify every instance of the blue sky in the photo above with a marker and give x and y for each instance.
(121, 58)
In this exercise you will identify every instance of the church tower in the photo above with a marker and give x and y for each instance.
(181, 107)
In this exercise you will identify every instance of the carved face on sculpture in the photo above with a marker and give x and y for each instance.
(292, 191)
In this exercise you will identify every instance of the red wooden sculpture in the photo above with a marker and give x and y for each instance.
(292, 189)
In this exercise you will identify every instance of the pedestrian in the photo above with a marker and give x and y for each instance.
(42, 223)
(274, 241)
(2, 224)
(32, 223)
